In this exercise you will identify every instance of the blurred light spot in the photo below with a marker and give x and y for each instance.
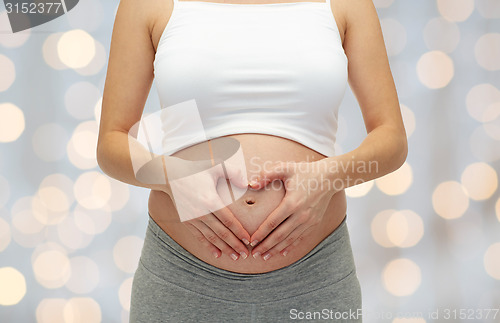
(489, 9)
(8, 39)
(441, 34)
(12, 286)
(47, 246)
(126, 253)
(360, 189)
(97, 111)
(455, 10)
(379, 228)
(11, 122)
(80, 98)
(82, 140)
(391, 228)
(401, 277)
(76, 48)
(4, 191)
(394, 35)
(23, 218)
(481, 145)
(397, 182)
(435, 69)
(409, 320)
(125, 292)
(52, 269)
(71, 236)
(26, 230)
(492, 260)
(82, 310)
(4, 234)
(450, 200)
(54, 199)
(94, 221)
(480, 180)
(49, 142)
(482, 102)
(8, 72)
(397, 228)
(50, 310)
(61, 181)
(92, 190)
(492, 112)
(408, 120)
(497, 209)
(405, 228)
(493, 129)
(50, 205)
(49, 51)
(97, 63)
(84, 275)
(120, 194)
(83, 144)
(487, 51)
(383, 3)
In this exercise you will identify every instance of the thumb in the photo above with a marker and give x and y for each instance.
(276, 172)
(237, 176)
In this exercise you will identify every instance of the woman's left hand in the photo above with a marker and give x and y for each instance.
(309, 188)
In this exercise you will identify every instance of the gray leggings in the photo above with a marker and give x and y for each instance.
(171, 285)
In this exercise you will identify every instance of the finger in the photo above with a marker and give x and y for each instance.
(236, 175)
(225, 234)
(281, 247)
(282, 233)
(227, 218)
(297, 242)
(201, 239)
(282, 211)
(214, 239)
(279, 171)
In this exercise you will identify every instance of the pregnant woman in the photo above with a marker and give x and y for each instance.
(270, 76)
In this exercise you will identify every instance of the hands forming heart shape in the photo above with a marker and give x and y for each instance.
(307, 194)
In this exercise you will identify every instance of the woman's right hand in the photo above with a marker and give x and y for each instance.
(201, 208)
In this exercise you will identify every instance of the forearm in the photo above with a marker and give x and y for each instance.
(122, 157)
(383, 151)
(117, 153)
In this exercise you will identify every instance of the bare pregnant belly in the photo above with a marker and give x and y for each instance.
(253, 207)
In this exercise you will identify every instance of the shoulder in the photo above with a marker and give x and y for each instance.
(357, 12)
(143, 14)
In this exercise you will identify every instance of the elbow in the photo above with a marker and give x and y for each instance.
(401, 149)
(100, 149)
(404, 150)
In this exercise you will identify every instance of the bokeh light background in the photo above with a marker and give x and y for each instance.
(425, 238)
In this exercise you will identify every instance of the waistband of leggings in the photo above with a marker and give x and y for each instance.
(327, 263)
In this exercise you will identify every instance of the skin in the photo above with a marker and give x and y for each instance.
(282, 224)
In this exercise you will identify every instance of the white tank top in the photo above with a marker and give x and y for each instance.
(277, 69)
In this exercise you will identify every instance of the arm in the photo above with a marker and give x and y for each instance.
(370, 79)
(382, 151)
(128, 82)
